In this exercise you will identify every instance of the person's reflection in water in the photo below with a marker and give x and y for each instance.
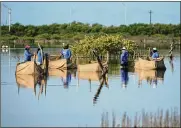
(155, 81)
(124, 77)
(41, 81)
(66, 80)
(171, 63)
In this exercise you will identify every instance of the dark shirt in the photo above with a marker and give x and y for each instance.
(124, 57)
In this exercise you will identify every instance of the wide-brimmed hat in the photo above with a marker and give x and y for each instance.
(123, 48)
(27, 46)
(154, 48)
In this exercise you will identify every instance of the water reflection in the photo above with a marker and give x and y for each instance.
(151, 76)
(4, 50)
(112, 99)
(42, 82)
(171, 63)
(124, 77)
(92, 76)
(64, 75)
(32, 81)
(104, 81)
(66, 80)
(28, 81)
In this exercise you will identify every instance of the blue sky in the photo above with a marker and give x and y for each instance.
(106, 13)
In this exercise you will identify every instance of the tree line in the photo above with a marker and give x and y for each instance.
(77, 30)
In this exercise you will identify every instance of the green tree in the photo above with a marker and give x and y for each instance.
(104, 43)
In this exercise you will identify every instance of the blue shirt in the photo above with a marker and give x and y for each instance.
(124, 57)
(27, 55)
(155, 55)
(66, 53)
(40, 56)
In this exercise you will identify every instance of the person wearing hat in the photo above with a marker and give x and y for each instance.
(66, 53)
(124, 57)
(27, 54)
(155, 54)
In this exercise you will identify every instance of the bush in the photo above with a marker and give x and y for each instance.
(103, 44)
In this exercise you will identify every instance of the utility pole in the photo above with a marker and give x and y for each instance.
(9, 14)
(124, 13)
(0, 22)
(70, 15)
(150, 15)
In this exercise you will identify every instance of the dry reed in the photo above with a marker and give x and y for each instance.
(169, 118)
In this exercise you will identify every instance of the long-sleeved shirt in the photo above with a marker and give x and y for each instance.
(155, 55)
(27, 55)
(40, 56)
(124, 57)
(66, 53)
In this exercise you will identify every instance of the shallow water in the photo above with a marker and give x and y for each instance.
(59, 105)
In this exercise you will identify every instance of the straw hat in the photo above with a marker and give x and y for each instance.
(123, 48)
(154, 48)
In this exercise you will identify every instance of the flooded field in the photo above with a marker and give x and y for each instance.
(77, 99)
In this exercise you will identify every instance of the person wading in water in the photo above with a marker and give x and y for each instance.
(124, 57)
